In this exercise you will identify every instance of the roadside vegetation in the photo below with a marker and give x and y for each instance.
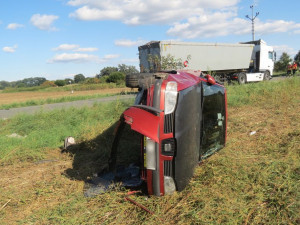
(255, 179)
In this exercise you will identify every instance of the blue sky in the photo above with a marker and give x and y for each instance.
(58, 39)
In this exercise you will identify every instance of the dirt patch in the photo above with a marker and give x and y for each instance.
(31, 186)
(8, 98)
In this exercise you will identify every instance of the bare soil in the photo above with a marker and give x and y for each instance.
(8, 98)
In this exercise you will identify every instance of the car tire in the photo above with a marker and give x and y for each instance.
(132, 80)
(242, 78)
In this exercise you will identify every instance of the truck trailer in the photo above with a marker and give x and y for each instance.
(245, 62)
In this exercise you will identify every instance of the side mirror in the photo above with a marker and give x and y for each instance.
(210, 79)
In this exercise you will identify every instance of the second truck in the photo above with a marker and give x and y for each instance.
(245, 62)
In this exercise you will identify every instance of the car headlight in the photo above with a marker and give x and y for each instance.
(170, 97)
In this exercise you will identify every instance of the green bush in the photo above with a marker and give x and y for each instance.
(116, 77)
(91, 81)
(60, 83)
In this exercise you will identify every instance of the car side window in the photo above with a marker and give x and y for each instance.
(213, 120)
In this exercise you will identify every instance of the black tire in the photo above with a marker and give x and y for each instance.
(267, 75)
(132, 80)
(140, 80)
(242, 78)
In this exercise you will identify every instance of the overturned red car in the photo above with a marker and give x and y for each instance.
(181, 117)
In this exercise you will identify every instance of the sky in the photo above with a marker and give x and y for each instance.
(58, 39)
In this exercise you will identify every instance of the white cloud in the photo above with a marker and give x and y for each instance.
(74, 48)
(188, 19)
(226, 23)
(136, 12)
(129, 43)
(14, 26)
(44, 22)
(111, 56)
(66, 47)
(81, 58)
(279, 49)
(74, 58)
(11, 49)
(86, 49)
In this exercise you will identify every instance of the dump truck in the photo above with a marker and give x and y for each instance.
(245, 62)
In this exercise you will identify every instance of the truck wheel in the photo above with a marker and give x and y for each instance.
(219, 78)
(132, 80)
(267, 75)
(242, 78)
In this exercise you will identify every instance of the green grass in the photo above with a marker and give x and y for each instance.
(283, 73)
(56, 100)
(47, 130)
(253, 180)
(263, 93)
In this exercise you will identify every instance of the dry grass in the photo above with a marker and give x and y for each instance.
(9, 98)
(255, 179)
(234, 186)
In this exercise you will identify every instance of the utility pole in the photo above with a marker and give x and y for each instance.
(252, 20)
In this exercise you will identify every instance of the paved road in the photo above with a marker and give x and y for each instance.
(5, 114)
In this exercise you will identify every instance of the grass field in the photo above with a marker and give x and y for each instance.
(255, 179)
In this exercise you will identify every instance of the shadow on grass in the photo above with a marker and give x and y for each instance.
(91, 157)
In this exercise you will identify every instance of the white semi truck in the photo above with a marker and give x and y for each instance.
(245, 62)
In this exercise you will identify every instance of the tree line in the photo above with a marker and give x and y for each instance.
(284, 60)
(106, 75)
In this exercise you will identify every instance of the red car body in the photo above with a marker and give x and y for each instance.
(182, 119)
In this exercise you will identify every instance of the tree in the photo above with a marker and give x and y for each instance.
(282, 63)
(79, 78)
(33, 81)
(60, 82)
(297, 58)
(28, 82)
(116, 77)
(127, 69)
(69, 81)
(91, 80)
(4, 84)
(106, 71)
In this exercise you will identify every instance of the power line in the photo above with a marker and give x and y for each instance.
(252, 20)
